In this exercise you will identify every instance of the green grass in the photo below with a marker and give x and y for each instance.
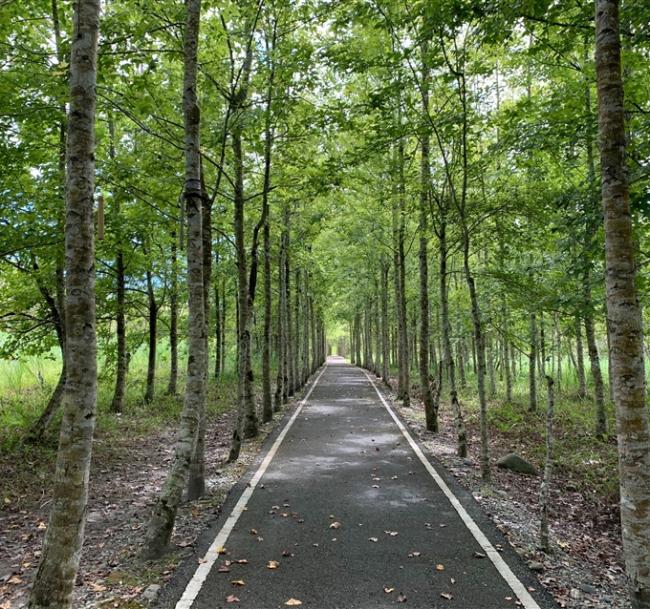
(26, 386)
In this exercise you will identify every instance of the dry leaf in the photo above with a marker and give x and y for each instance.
(391, 533)
(479, 555)
(231, 598)
(440, 567)
(388, 590)
(415, 554)
(223, 569)
(97, 587)
(238, 582)
(401, 598)
(293, 602)
(241, 561)
(253, 531)
(335, 525)
(14, 579)
(373, 539)
(447, 595)
(221, 550)
(272, 564)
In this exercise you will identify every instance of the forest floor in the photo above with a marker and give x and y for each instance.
(129, 466)
(584, 569)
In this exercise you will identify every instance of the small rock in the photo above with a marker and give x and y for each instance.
(575, 594)
(151, 592)
(588, 588)
(515, 463)
(536, 566)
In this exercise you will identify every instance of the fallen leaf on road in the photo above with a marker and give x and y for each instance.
(447, 595)
(479, 555)
(221, 550)
(452, 580)
(286, 553)
(401, 598)
(253, 531)
(231, 598)
(238, 582)
(241, 561)
(388, 590)
(293, 602)
(272, 564)
(373, 539)
(440, 567)
(415, 554)
(335, 525)
(14, 579)
(223, 569)
(391, 533)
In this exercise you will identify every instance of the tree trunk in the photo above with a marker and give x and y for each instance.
(580, 360)
(172, 386)
(532, 362)
(596, 373)
(153, 340)
(403, 361)
(544, 491)
(623, 311)
(57, 571)
(247, 424)
(162, 519)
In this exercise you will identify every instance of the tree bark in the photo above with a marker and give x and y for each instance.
(163, 516)
(57, 571)
(172, 386)
(580, 360)
(117, 404)
(532, 363)
(152, 308)
(623, 310)
(247, 424)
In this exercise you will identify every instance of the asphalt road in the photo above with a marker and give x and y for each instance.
(352, 519)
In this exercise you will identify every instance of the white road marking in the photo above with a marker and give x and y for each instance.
(527, 601)
(200, 575)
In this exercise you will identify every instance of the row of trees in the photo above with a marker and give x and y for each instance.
(474, 240)
(111, 135)
(428, 169)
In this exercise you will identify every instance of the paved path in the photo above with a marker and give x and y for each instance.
(349, 508)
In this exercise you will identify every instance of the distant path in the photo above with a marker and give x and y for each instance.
(348, 509)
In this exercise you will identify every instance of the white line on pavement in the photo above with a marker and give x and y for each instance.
(527, 601)
(200, 575)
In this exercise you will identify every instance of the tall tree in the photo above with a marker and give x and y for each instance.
(57, 571)
(163, 516)
(623, 310)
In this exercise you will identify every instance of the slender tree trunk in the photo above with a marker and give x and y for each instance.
(596, 373)
(57, 571)
(163, 516)
(305, 329)
(247, 424)
(544, 491)
(480, 357)
(430, 410)
(291, 372)
(532, 363)
(172, 386)
(153, 339)
(384, 322)
(580, 360)
(280, 391)
(403, 360)
(117, 404)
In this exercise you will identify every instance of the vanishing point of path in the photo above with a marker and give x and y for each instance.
(355, 517)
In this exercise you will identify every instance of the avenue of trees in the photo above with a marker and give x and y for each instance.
(462, 186)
